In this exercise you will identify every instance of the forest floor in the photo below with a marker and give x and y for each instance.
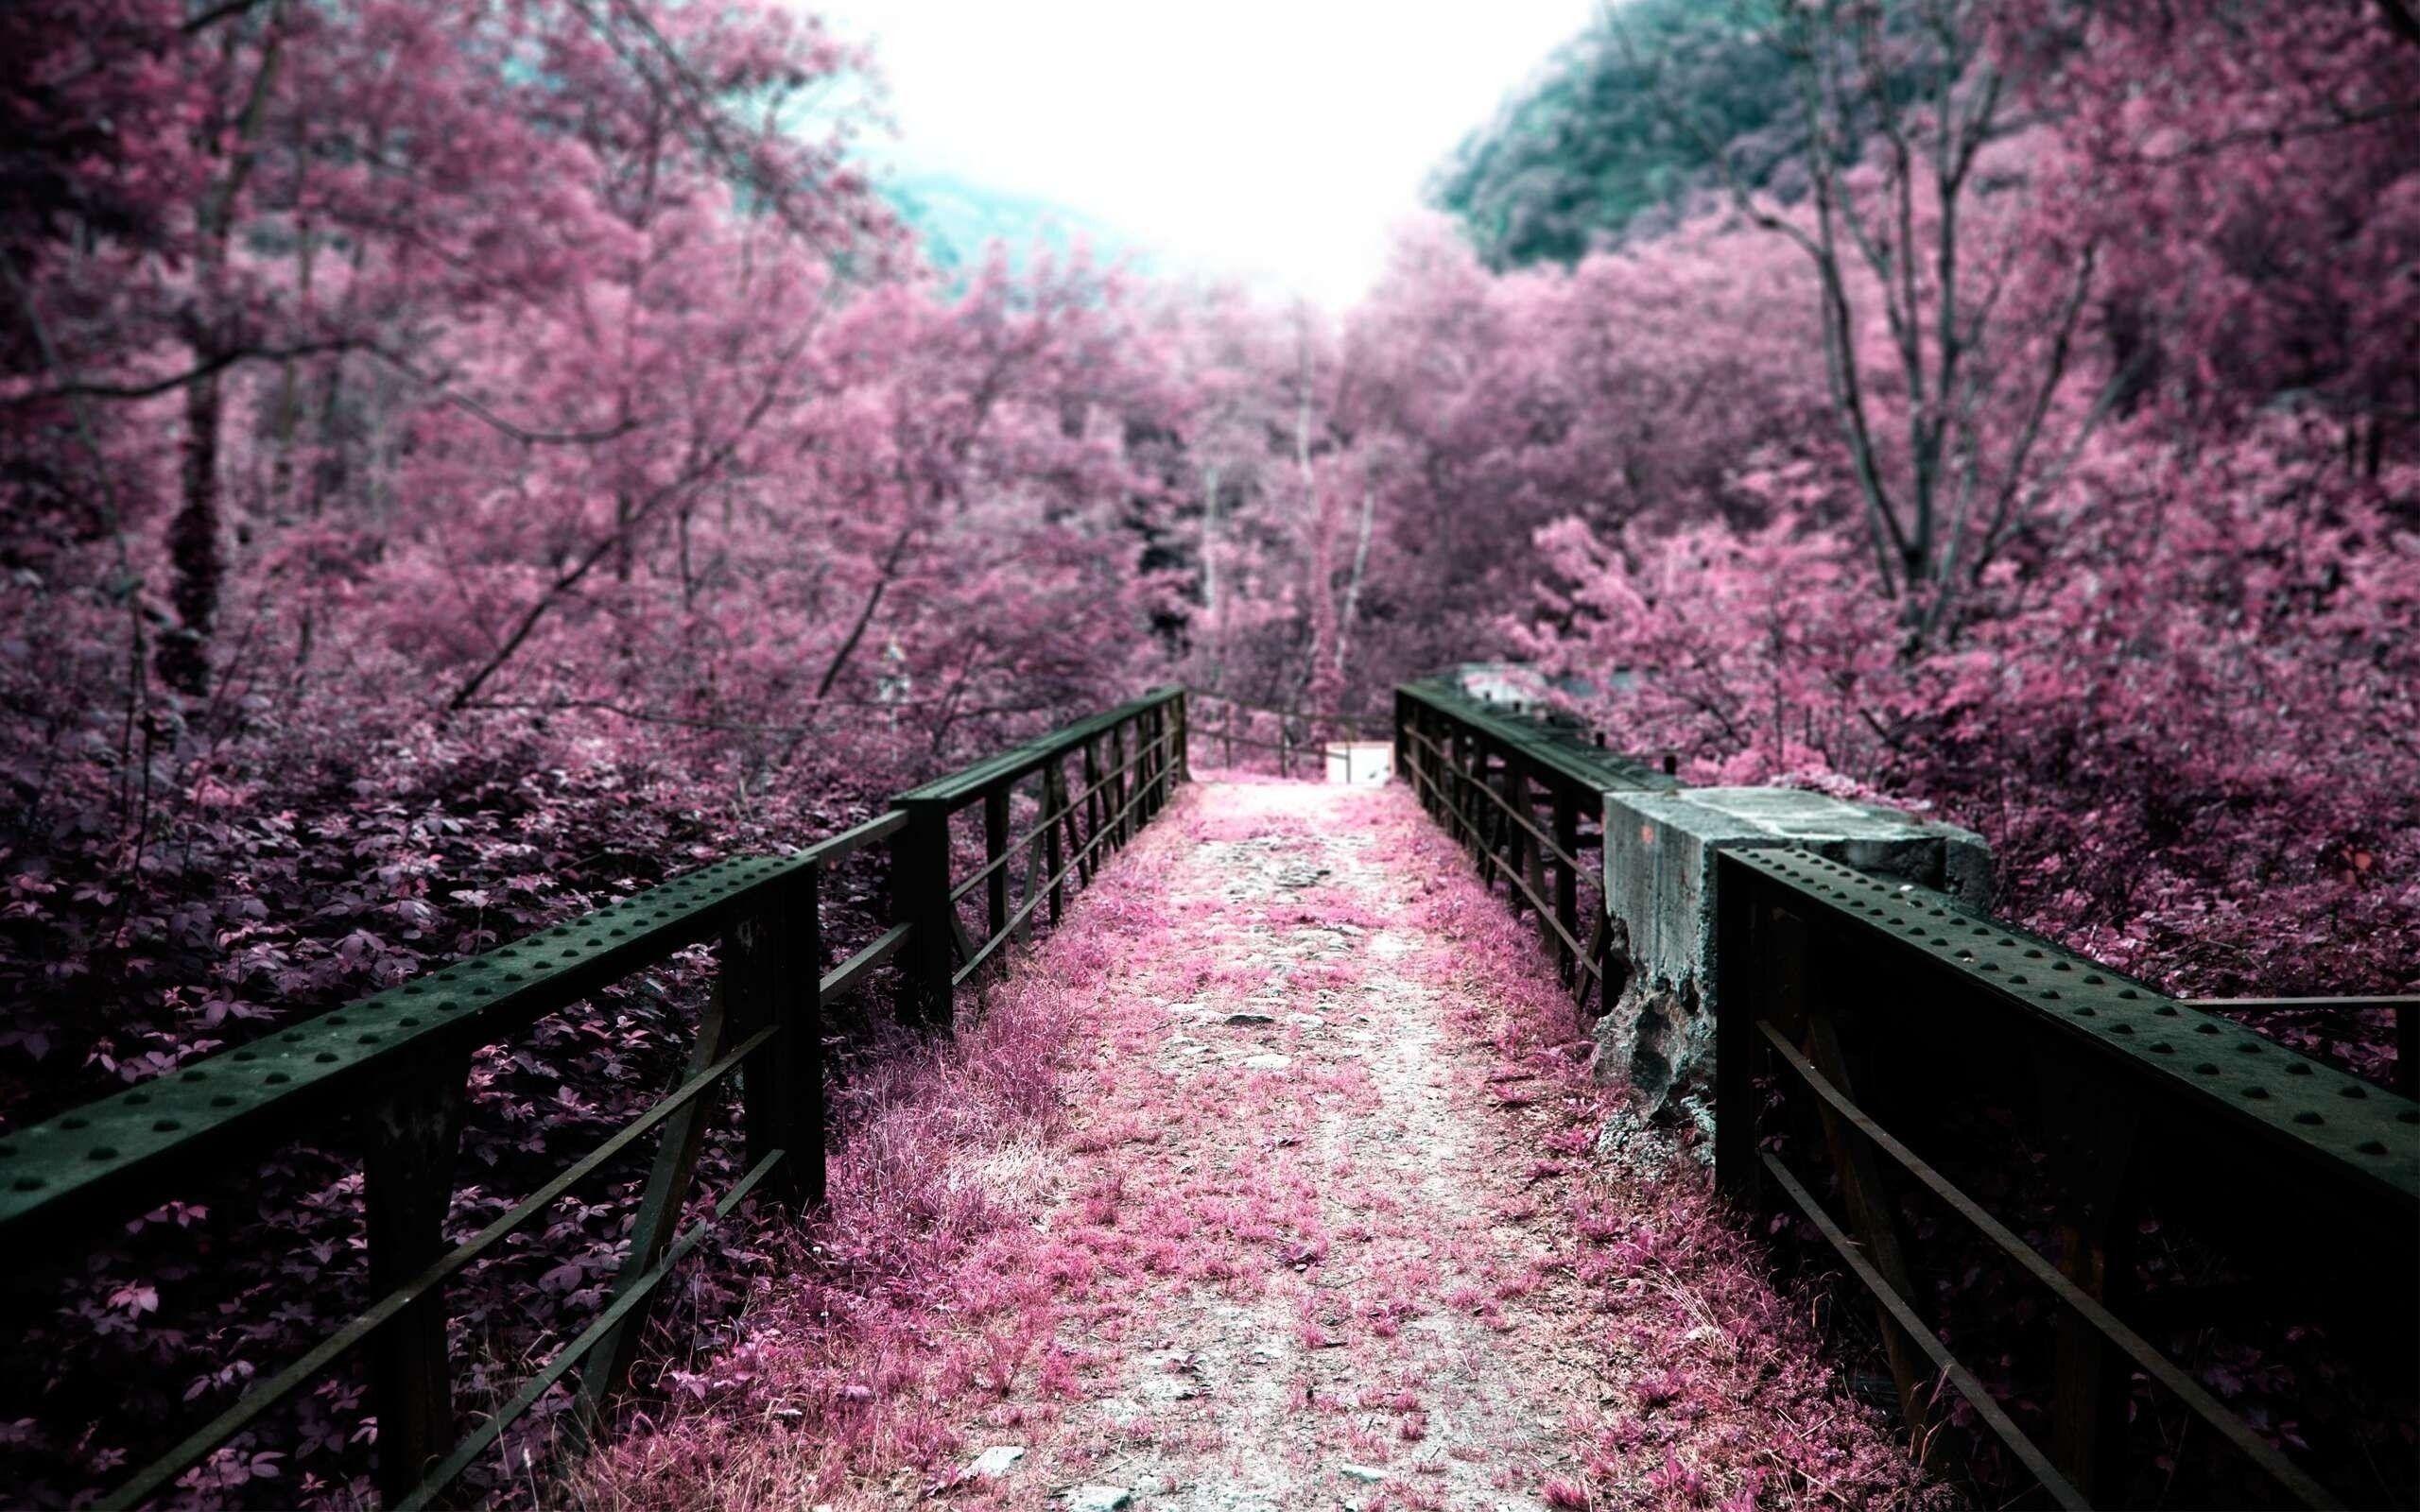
(1327, 1216)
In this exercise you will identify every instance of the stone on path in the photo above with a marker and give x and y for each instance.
(1099, 1499)
(1265, 1063)
(995, 1461)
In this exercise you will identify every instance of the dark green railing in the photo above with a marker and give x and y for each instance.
(393, 1067)
(1858, 1019)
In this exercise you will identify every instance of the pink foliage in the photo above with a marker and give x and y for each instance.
(459, 464)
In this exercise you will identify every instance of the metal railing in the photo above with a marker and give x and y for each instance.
(1294, 742)
(1858, 1020)
(1483, 771)
(395, 1067)
(1876, 1014)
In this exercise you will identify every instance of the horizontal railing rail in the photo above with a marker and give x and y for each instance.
(395, 1067)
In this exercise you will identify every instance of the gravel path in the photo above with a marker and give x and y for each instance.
(1319, 1205)
(1275, 1179)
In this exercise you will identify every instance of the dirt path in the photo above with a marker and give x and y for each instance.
(1275, 1180)
(1320, 1249)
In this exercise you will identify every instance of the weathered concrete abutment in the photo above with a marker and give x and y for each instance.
(1659, 856)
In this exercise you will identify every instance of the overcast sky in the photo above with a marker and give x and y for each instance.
(1278, 141)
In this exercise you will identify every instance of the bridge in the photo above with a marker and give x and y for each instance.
(1901, 1090)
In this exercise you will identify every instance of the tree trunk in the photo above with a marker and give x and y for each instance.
(182, 656)
(194, 555)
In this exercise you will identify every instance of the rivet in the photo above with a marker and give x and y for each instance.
(165, 1125)
(2256, 1092)
(276, 1078)
(2353, 1089)
(75, 1123)
(2061, 966)
(324, 1056)
(2093, 978)
(2206, 1028)
(103, 1152)
(137, 1099)
(2371, 1147)
(2309, 1117)
(2298, 1068)
(28, 1183)
(2206, 1069)
(2165, 1010)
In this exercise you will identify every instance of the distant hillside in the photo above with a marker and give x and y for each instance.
(956, 219)
(1588, 147)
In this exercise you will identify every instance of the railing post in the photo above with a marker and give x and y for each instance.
(1150, 758)
(1520, 851)
(1090, 849)
(1456, 756)
(1474, 807)
(2092, 1136)
(1567, 877)
(919, 899)
(1054, 819)
(1116, 797)
(1743, 975)
(995, 851)
(1183, 737)
(771, 959)
(412, 1127)
(1403, 740)
(1425, 760)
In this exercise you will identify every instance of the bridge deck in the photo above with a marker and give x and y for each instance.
(1316, 1219)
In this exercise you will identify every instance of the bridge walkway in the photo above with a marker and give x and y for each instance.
(1322, 1220)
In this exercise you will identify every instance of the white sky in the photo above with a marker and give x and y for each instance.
(1257, 139)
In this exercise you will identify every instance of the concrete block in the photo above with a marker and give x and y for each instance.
(1660, 888)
